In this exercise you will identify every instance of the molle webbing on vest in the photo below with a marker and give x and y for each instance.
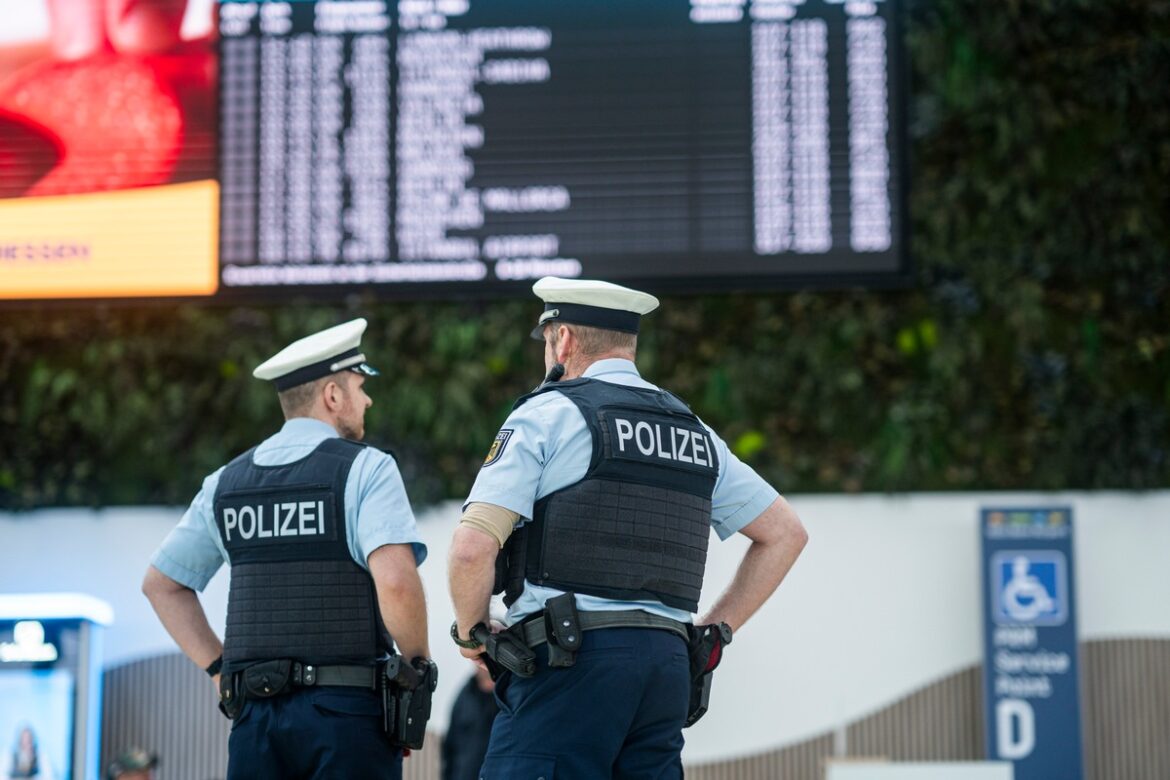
(296, 591)
(315, 611)
(636, 526)
(623, 541)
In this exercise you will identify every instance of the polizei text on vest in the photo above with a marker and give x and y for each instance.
(667, 442)
(293, 518)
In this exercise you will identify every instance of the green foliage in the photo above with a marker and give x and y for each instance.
(1032, 352)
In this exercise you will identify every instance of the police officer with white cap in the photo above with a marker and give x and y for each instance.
(592, 512)
(324, 551)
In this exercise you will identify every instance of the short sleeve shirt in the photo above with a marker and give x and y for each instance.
(545, 445)
(377, 510)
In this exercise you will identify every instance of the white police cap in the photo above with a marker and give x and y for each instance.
(321, 354)
(591, 302)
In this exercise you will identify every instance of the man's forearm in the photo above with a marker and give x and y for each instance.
(405, 616)
(471, 572)
(759, 574)
(182, 615)
(777, 539)
(401, 600)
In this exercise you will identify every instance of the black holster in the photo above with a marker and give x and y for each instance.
(406, 700)
(706, 652)
(505, 651)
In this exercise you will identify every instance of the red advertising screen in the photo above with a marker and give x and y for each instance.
(107, 148)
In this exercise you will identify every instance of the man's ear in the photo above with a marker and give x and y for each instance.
(333, 396)
(565, 343)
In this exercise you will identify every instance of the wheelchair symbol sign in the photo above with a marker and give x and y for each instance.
(1030, 587)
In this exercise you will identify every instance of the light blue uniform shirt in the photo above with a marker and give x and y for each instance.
(377, 511)
(547, 446)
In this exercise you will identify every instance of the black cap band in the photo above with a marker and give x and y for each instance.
(593, 316)
(314, 371)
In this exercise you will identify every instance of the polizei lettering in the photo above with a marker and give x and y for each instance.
(264, 521)
(663, 441)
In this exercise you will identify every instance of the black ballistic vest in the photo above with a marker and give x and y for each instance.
(636, 526)
(295, 589)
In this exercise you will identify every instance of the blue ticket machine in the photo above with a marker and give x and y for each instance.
(51, 685)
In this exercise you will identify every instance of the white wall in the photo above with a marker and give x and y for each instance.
(884, 601)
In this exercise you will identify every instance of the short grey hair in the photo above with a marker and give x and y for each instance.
(600, 341)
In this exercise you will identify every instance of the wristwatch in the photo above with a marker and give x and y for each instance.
(469, 644)
(213, 669)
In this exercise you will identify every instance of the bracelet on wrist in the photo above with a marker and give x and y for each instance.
(470, 643)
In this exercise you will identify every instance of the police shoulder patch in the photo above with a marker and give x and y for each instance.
(498, 446)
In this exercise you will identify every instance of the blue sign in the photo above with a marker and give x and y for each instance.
(1030, 672)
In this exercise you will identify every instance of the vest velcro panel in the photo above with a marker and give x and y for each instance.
(623, 541)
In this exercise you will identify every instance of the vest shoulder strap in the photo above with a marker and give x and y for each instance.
(332, 446)
(243, 459)
(341, 446)
(570, 388)
(548, 387)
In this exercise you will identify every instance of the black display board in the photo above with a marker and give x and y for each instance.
(430, 143)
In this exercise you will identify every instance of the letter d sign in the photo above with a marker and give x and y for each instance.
(1015, 733)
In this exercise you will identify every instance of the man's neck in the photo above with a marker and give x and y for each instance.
(317, 415)
(577, 365)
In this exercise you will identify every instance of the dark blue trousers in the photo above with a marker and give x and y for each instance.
(318, 733)
(617, 713)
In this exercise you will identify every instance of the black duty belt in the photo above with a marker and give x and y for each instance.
(560, 625)
(277, 677)
(534, 633)
(309, 675)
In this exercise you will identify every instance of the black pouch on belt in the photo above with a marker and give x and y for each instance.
(268, 678)
(562, 628)
(230, 700)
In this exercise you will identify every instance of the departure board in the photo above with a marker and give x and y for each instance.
(487, 142)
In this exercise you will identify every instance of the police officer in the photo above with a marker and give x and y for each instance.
(605, 487)
(323, 548)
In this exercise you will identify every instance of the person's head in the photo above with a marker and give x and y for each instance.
(585, 321)
(576, 346)
(339, 399)
(322, 376)
(26, 741)
(133, 764)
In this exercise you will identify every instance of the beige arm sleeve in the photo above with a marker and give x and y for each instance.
(495, 521)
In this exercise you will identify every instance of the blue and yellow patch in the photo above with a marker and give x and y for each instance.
(498, 446)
